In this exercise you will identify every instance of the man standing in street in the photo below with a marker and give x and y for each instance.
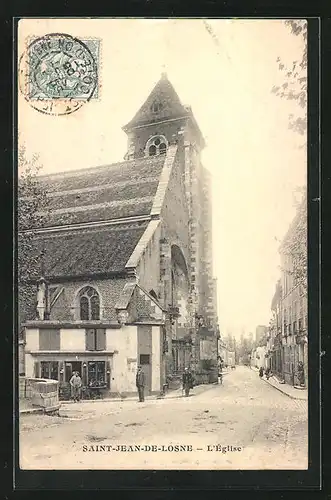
(140, 383)
(76, 384)
(187, 381)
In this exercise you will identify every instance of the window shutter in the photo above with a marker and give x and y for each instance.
(108, 374)
(49, 339)
(36, 369)
(89, 339)
(54, 340)
(101, 339)
(43, 339)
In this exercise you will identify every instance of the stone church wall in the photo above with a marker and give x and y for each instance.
(65, 308)
(148, 270)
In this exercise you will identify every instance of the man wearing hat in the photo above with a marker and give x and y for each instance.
(187, 381)
(76, 384)
(140, 383)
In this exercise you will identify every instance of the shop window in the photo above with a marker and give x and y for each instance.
(49, 369)
(95, 339)
(89, 304)
(49, 339)
(96, 373)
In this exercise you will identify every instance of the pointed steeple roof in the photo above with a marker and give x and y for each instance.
(162, 103)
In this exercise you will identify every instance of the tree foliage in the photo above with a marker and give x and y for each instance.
(295, 88)
(32, 211)
(295, 79)
(245, 348)
(295, 248)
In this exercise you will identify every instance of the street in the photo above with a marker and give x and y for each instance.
(243, 424)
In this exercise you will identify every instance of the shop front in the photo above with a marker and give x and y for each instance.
(94, 372)
(106, 357)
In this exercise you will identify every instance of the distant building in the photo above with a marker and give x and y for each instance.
(288, 329)
(260, 333)
(275, 348)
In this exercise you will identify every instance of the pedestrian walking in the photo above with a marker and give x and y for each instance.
(220, 374)
(301, 374)
(140, 383)
(187, 381)
(76, 384)
(261, 372)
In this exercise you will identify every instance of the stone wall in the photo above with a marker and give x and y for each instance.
(148, 270)
(66, 307)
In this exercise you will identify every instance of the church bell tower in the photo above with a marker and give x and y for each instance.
(162, 120)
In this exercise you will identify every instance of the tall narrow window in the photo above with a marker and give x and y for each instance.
(84, 308)
(152, 150)
(95, 307)
(89, 304)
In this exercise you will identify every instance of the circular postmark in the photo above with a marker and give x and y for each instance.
(57, 74)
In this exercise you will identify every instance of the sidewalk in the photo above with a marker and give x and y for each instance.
(287, 389)
(176, 393)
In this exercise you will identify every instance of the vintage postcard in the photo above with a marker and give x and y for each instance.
(162, 244)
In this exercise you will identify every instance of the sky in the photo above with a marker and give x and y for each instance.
(226, 74)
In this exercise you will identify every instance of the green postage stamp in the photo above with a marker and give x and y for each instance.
(59, 73)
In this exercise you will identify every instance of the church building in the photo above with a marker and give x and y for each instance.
(127, 268)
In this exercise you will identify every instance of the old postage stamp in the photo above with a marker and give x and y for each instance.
(59, 73)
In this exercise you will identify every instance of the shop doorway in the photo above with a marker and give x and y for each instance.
(72, 366)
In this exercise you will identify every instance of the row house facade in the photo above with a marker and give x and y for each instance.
(288, 330)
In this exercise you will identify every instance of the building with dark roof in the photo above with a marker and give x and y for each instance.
(126, 276)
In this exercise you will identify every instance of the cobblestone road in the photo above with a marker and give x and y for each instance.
(265, 428)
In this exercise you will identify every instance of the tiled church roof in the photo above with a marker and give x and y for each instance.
(93, 251)
(114, 191)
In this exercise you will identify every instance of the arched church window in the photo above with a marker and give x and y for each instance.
(89, 304)
(156, 145)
